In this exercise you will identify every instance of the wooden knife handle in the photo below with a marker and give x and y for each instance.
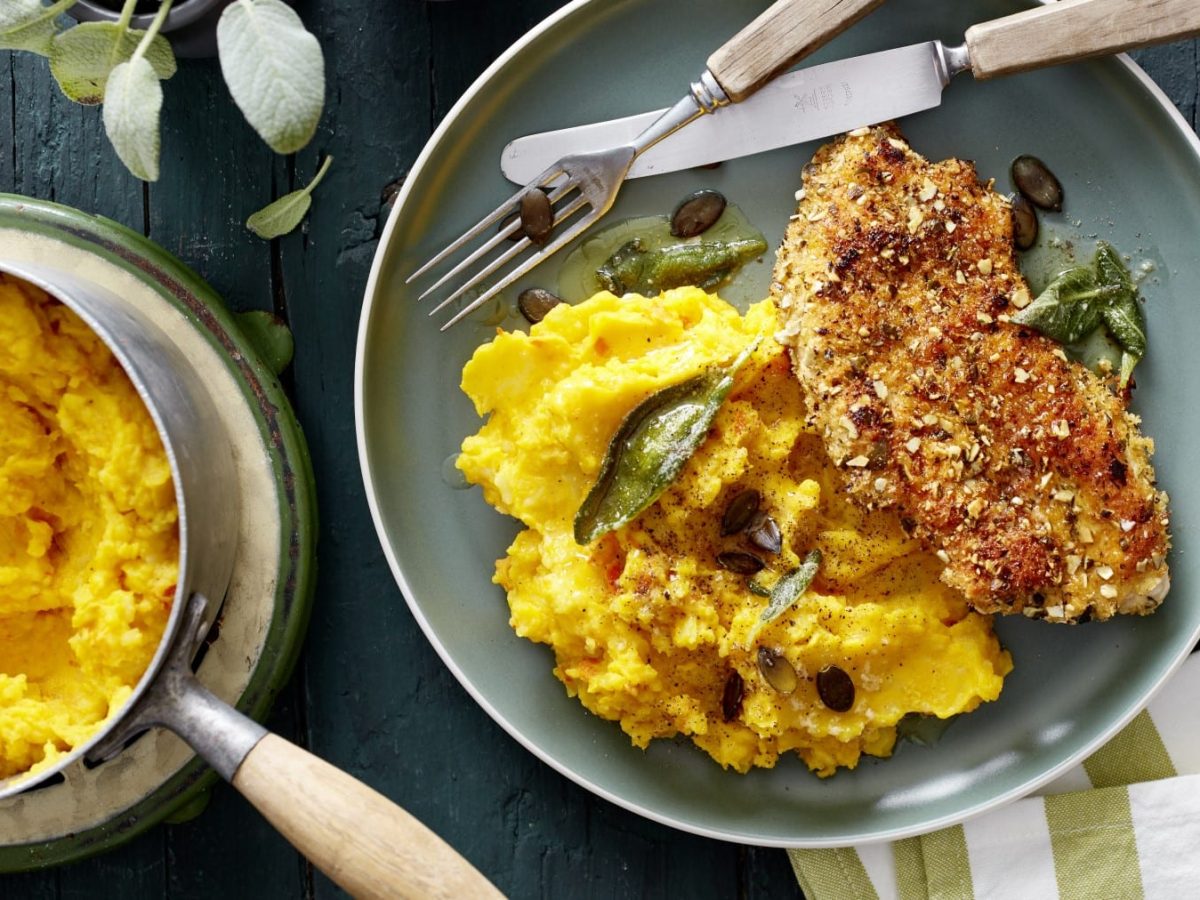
(1076, 29)
(369, 846)
(784, 33)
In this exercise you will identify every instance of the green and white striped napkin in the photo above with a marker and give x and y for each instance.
(1124, 824)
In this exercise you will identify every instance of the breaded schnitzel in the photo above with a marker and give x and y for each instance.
(1024, 470)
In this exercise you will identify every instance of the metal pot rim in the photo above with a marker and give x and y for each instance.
(20, 782)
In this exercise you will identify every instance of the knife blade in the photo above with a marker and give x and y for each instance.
(839, 96)
(800, 106)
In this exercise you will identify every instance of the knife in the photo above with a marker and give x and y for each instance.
(819, 101)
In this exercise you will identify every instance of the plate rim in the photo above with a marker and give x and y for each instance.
(370, 294)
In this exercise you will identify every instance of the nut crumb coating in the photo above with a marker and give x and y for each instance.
(1025, 471)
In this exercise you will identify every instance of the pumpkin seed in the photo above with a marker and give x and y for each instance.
(537, 216)
(835, 688)
(651, 447)
(739, 562)
(776, 670)
(697, 213)
(1037, 182)
(506, 222)
(514, 217)
(740, 511)
(732, 696)
(763, 533)
(534, 303)
(1025, 222)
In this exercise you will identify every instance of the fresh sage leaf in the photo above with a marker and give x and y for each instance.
(651, 447)
(82, 57)
(275, 71)
(28, 25)
(132, 103)
(1069, 308)
(283, 215)
(270, 336)
(787, 590)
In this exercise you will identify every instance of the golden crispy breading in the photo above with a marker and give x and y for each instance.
(1023, 469)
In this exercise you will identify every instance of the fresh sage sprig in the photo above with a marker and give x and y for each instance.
(786, 591)
(650, 449)
(1079, 300)
(133, 100)
(28, 25)
(273, 66)
(283, 215)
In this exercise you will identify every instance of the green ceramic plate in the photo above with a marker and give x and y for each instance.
(1131, 168)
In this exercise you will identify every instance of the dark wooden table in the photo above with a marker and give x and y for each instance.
(369, 693)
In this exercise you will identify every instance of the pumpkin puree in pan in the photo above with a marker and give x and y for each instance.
(89, 545)
(646, 627)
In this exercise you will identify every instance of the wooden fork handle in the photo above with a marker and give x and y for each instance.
(787, 31)
(1076, 29)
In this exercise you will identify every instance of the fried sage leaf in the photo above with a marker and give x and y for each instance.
(787, 590)
(1069, 309)
(651, 447)
(922, 729)
(1075, 304)
(1123, 314)
(633, 269)
(1111, 270)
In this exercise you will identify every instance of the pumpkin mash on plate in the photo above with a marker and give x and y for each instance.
(89, 545)
(659, 623)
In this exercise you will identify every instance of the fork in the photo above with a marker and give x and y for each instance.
(588, 183)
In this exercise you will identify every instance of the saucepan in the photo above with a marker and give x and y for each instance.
(360, 839)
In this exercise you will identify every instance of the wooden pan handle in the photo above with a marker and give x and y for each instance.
(1076, 29)
(786, 32)
(369, 846)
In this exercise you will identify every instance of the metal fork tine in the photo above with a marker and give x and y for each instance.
(507, 256)
(553, 247)
(548, 176)
(497, 239)
(516, 250)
